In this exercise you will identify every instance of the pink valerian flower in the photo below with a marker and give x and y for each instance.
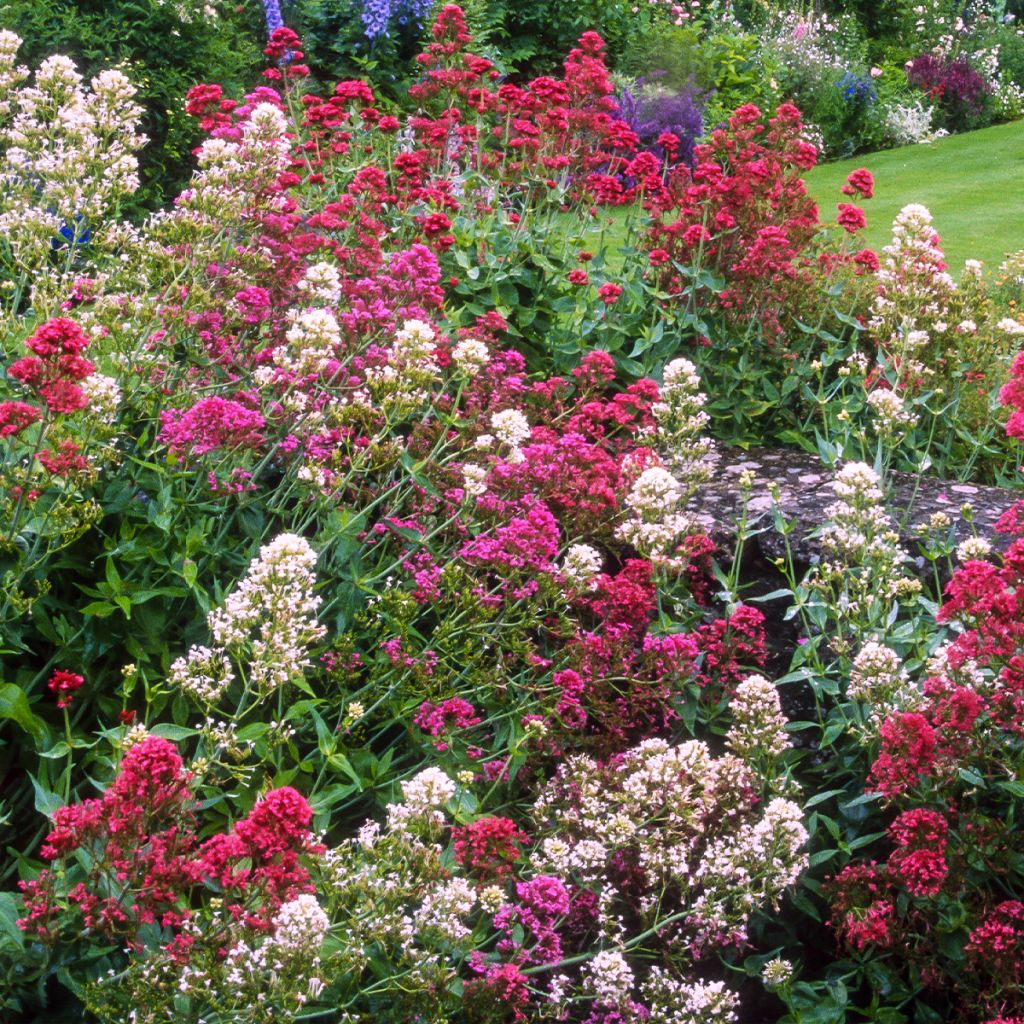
(996, 946)
(142, 832)
(255, 304)
(64, 461)
(731, 647)
(609, 293)
(503, 986)
(454, 713)
(626, 599)
(211, 424)
(529, 542)
(867, 260)
(540, 903)
(64, 684)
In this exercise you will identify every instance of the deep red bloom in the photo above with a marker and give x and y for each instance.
(489, 848)
(859, 182)
(64, 684)
(851, 218)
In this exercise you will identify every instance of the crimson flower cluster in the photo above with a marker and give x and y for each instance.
(134, 857)
(54, 368)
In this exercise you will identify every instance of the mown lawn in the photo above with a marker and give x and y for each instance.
(972, 183)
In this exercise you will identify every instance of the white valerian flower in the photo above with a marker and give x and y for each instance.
(266, 122)
(759, 726)
(322, 284)
(300, 926)
(270, 617)
(973, 549)
(510, 427)
(203, 675)
(444, 908)
(474, 479)
(581, 563)
(776, 973)
(313, 336)
(609, 977)
(415, 341)
(655, 492)
(470, 356)
(424, 797)
(892, 418)
(104, 394)
(1010, 326)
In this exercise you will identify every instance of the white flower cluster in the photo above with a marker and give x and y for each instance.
(474, 479)
(394, 890)
(878, 679)
(406, 380)
(471, 356)
(655, 525)
(860, 543)
(313, 338)
(512, 429)
(758, 724)
(673, 1001)
(682, 420)
(232, 178)
(269, 618)
(425, 795)
(912, 310)
(892, 419)
(609, 978)
(688, 819)
(776, 973)
(321, 284)
(974, 549)
(445, 908)
(300, 926)
(68, 155)
(581, 564)
(104, 394)
(1010, 326)
(204, 674)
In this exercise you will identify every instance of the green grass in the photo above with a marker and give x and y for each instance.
(972, 183)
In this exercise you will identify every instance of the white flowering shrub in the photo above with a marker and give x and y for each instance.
(68, 150)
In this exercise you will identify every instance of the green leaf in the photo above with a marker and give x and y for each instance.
(46, 802)
(9, 919)
(168, 731)
(101, 609)
(14, 705)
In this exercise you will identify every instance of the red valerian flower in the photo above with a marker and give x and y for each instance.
(851, 218)
(489, 847)
(868, 259)
(609, 293)
(64, 684)
(16, 416)
(859, 183)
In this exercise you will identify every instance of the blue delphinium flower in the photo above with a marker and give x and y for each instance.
(857, 89)
(272, 11)
(376, 15)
